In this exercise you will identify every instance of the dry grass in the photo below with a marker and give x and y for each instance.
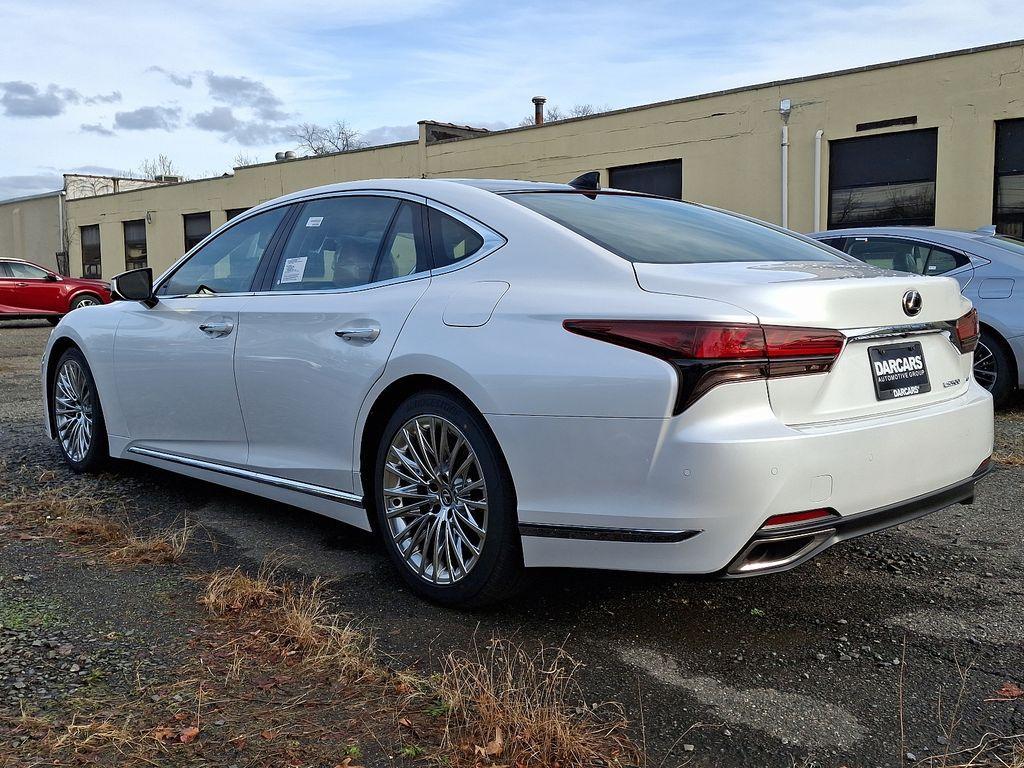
(510, 706)
(96, 735)
(298, 618)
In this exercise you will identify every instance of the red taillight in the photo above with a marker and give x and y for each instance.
(708, 354)
(968, 329)
(792, 518)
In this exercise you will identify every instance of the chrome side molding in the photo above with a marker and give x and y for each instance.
(257, 477)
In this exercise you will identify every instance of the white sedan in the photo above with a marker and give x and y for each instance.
(492, 375)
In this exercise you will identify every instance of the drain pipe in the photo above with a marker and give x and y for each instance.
(817, 179)
(785, 106)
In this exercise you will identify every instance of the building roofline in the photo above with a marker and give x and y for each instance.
(104, 176)
(37, 196)
(759, 86)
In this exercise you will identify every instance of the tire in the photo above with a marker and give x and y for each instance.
(84, 446)
(993, 368)
(449, 490)
(84, 300)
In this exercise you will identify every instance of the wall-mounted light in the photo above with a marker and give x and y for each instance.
(149, 217)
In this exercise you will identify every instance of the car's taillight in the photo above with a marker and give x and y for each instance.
(709, 354)
(967, 332)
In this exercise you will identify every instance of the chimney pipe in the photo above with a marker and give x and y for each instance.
(538, 110)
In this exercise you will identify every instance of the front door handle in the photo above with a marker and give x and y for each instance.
(367, 334)
(217, 329)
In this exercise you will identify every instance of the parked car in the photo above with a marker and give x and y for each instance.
(30, 291)
(990, 270)
(499, 374)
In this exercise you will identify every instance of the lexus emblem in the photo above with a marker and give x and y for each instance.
(912, 303)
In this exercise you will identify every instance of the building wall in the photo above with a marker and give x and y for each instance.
(30, 229)
(729, 143)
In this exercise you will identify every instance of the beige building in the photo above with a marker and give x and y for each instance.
(934, 140)
(30, 229)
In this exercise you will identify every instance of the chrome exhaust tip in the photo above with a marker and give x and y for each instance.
(772, 553)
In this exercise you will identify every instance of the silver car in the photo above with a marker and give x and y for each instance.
(990, 270)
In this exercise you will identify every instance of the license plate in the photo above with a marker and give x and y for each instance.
(899, 371)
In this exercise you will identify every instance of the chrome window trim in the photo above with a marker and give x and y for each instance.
(948, 328)
(301, 201)
(247, 474)
(492, 240)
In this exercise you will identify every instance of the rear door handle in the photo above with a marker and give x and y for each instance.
(368, 334)
(217, 329)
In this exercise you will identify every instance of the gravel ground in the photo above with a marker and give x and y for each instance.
(802, 667)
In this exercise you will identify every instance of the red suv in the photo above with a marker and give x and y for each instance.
(28, 290)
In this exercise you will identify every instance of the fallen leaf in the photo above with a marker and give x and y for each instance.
(496, 745)
(162, 733)
(268, 735)
(1008, 692)
(188, 735)
(406, 722)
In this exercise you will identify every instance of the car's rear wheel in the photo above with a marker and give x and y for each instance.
(85, 300)
(992, 368)
(445, 504)
(76, 414)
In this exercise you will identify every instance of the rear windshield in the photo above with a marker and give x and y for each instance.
(657, 231)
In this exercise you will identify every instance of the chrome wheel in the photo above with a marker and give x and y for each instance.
(85, 301)
(435, 499)
(985, 371)
(73, 410)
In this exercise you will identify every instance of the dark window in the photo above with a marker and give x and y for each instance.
(232, 212)
(904, 255)
(228, 263)
(450, 239)
(656, 231)
(26, 271)
(4, 271)
(1009, 195)
(883, 180)
(834, 242)
(663, 178)
(340, 242)
(197, 227)
(91, 251)
(135, 244)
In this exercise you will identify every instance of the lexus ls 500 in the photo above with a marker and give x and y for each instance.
(497, 375)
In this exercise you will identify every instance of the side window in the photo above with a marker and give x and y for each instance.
(228, 263)
(4, 270)
(834, 242)
(25, 271)
(450, 239)
(941, 261)
(404, 251)
(335, 243)
(889, 253)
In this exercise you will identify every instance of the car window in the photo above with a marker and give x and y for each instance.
(889, 253)
(834, 242)
(450, 239)
(404, 251)
(335, 243)
(4, 272)
(228, 263)
(941, 261)
(658, 231)
(26, 271)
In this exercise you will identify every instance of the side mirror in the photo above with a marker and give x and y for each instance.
(135, 285)
(51, 278)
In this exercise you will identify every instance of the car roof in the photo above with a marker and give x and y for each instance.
(927, 233)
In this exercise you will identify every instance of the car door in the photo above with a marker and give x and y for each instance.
(174, 361)
(316, 339)
(32, 289)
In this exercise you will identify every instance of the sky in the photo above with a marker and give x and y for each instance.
(99, 87)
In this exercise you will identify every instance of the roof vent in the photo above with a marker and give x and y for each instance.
(590, 181)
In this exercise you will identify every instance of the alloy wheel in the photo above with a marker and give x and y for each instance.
(85, 301)
(985, 371)
(435, 499)
(73, 410)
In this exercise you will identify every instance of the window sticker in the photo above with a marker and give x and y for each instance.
(293, 270)
(314, 221)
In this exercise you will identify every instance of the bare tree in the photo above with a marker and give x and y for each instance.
(554, 113)
(243, 158)
(314, 139)
(161, 166)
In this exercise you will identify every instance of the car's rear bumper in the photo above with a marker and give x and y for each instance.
(688, 494)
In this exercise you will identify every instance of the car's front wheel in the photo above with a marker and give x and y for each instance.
(85, 300)
(445, 504)
(76, 414)
(992, 368)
